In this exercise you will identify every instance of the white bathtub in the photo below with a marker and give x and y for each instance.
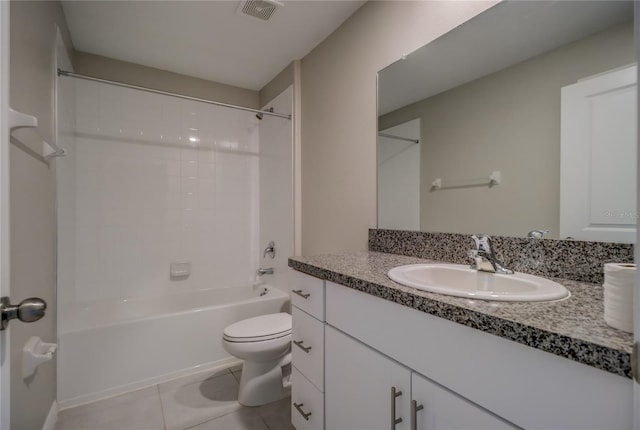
(111, 347)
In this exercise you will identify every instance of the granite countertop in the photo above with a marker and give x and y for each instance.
(573, 328)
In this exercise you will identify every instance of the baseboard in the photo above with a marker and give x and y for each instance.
(52, 417)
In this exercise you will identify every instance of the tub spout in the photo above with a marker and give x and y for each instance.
(268, 271)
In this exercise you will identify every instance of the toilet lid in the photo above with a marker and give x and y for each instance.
(263, 327)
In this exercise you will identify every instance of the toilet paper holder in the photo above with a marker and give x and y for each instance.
(34, 353)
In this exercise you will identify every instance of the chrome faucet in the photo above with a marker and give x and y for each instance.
(270, 250)
(537, 234)
(268, 271)
(485, 259)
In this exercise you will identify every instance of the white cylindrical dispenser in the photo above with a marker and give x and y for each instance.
(619, 280)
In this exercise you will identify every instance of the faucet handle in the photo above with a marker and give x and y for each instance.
(270, 250)
(483, 242)
(537, 234)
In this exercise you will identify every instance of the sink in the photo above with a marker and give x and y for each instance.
(461, 281)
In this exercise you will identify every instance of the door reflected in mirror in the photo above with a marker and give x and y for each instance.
(491, 97)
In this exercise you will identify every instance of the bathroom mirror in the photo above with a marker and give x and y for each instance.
(473, 127)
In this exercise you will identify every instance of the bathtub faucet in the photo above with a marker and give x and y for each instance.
(268, 271)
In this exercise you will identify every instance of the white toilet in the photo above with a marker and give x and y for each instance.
(264, 343)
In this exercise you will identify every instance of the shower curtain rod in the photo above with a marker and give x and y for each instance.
(166, 93)
(393, 136)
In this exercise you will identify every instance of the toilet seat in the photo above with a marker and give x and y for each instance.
(259, 329)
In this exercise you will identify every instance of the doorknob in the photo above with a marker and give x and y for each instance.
(29, 310)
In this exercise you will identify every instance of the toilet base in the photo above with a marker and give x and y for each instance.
(262, 382)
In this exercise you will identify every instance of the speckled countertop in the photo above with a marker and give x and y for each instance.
(573, 328)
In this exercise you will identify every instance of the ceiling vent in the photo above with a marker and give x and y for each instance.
(259, 9)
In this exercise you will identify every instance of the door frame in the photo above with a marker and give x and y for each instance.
(636, 304)
(5, 353)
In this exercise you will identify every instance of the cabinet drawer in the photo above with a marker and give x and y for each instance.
(307, 293)
(308, 347)
(307, 404)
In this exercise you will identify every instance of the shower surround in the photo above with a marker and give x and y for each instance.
(151, 180)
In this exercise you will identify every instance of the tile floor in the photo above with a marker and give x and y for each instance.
(204, 401)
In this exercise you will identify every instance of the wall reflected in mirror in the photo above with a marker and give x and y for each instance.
(542, 93)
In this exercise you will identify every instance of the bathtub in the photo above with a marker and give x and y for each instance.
(110, 347)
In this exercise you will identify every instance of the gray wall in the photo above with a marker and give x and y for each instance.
(32, 199)
(507, 121)
(338, 135)
(135, 74)
(277, 85)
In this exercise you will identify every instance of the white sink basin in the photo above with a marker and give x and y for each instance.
(459, 280)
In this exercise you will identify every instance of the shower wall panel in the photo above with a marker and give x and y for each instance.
(157, 180)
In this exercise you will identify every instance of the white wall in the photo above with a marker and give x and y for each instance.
(32, 199)
(146, 196)
(276, 188)
(399, 177)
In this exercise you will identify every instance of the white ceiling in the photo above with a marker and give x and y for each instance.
(204, 39)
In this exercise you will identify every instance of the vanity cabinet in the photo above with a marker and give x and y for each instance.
(307, 349)
(464, 378)
(367, 390)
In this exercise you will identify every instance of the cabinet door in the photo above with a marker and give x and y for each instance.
(444, 410)
(358, 386)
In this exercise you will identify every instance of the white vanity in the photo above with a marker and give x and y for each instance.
(381, 364)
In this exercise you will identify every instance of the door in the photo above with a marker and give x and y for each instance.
(358, 386)
(4, 209)
(598, 158)
(437, 408)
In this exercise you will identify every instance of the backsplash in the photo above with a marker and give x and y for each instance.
(568, 259)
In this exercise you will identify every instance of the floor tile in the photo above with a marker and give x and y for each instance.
(244, 419)
(71, 422)
(191, 379)
(138, 410)
(197, 402)
(277, 415)
(203, 401)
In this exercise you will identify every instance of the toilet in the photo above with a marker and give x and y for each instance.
(264, 343)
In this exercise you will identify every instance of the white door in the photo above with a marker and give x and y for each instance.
(437, 408)
(358, 386)
(4, 208)
(598, 158)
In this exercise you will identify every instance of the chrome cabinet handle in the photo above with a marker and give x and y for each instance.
(301, 294)
(299, 343)
(415, 408)
(304, 414)
(394, 420)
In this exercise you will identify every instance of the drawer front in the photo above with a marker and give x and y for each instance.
(308, 347)
(307, 293)
(307, 404)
